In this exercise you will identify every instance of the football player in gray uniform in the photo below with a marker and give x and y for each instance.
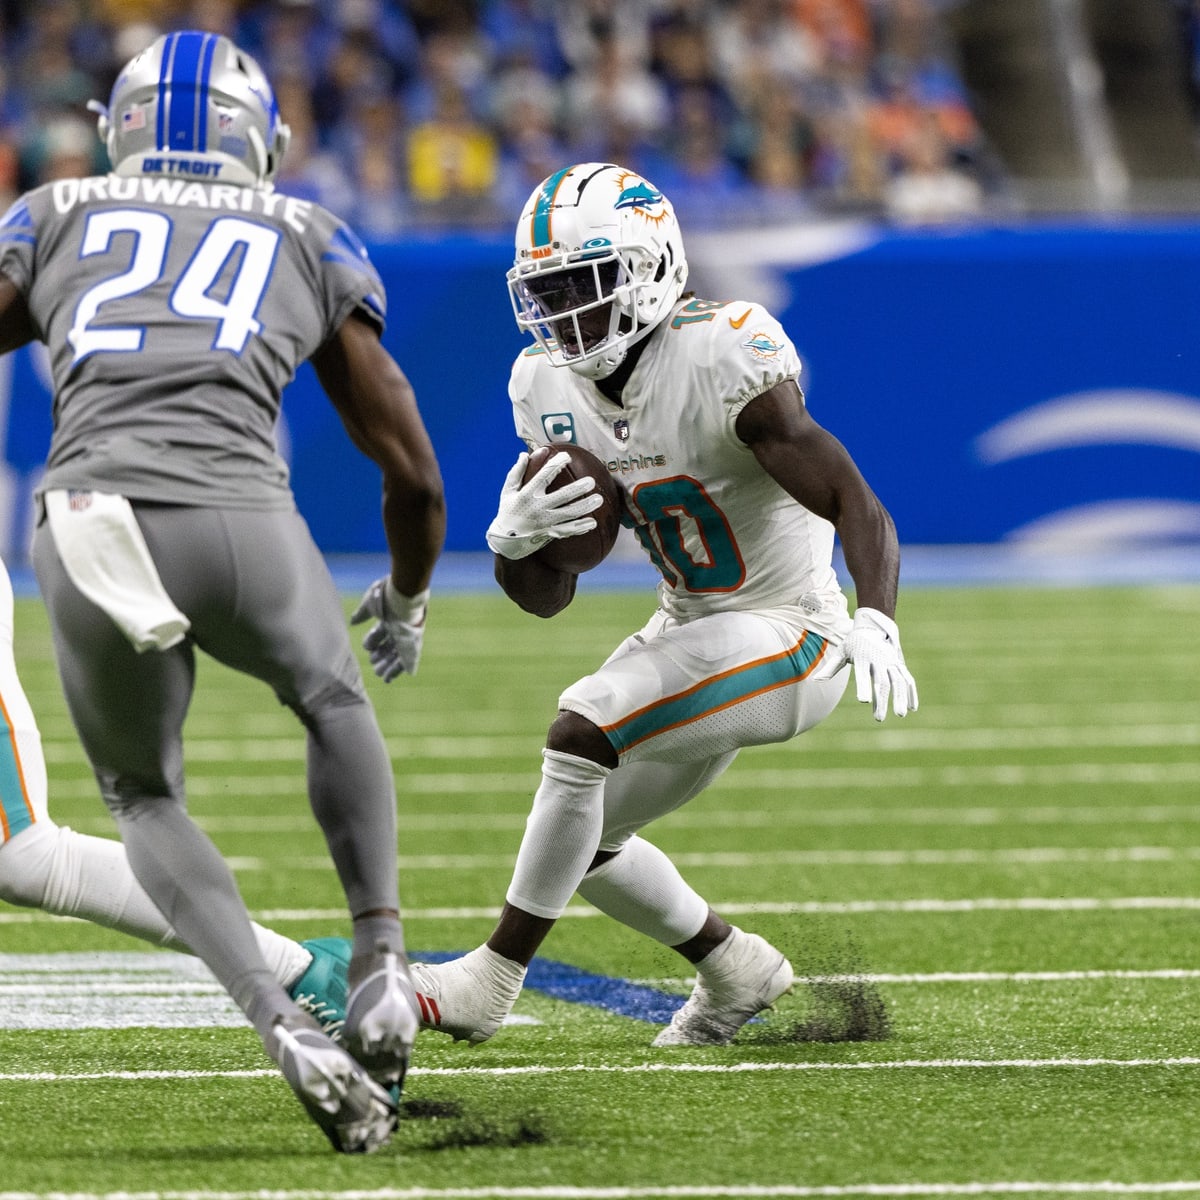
(735, 494)
(61, 871)
(177, 295)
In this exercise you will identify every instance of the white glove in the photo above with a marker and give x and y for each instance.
(394, 644)
(872, 648)
(529, 516)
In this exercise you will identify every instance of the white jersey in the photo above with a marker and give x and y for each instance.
(722, 533)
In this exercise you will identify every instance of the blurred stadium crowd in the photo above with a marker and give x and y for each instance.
(418, 114)
(1188, 16)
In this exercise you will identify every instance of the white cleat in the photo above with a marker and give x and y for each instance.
(381, 1018)
(741, 977)
(354, 1112)
(468, 997)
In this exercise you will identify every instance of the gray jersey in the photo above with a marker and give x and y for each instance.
(175, 313)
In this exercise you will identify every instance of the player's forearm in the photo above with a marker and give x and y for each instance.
(414, 523)
(872, 553)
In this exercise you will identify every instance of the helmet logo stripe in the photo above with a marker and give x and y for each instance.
(540, 234)
(206, 58)
(185, 86)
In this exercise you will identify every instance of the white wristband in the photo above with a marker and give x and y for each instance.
(408, 609)
(872, 618)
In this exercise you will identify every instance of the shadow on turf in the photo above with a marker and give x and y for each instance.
(454, 1127)
(843, 1005)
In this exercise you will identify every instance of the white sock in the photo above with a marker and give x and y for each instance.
(561, 834)
(71, 874)
(491, 963)
(286, 959)
(642, 888)
(711, 963)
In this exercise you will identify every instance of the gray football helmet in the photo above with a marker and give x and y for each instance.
(193, 105)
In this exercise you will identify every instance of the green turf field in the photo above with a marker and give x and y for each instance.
(995, 904)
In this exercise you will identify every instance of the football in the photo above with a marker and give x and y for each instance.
(586, 550)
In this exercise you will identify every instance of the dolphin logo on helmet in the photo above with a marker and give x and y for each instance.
(193, 104)
(639, 195)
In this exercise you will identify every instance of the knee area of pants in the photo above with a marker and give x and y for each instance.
(130, 803)
(334, 699)
(572, 734)
(609, 861)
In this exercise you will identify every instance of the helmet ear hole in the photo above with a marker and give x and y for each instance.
(280, 143)
(260, 151)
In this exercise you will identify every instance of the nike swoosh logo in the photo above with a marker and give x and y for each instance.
(740, 321)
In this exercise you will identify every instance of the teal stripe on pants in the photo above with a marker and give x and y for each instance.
(14, 804)
(726, 689)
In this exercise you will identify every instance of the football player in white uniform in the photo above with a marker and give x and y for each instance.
(736, 494)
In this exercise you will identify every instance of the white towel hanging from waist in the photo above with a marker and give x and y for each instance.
(103, 550)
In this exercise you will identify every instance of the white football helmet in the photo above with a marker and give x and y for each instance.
(193, 105)
(599, 264)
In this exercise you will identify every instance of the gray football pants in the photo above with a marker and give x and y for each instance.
(260, 599)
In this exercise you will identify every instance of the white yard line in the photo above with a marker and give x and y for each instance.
(673, 1192)
(655, 1068)
(257, 748)
(1165, 974)
(1026, 904)
(133, 990)
(788, 814)
(785, 908)
(798, 780)
(1024, 856)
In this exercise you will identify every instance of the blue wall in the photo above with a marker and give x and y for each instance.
(1034, 383)
(989, 381)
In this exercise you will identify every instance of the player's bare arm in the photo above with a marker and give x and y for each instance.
(16, 327)
(813, 467)
(378, 408)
